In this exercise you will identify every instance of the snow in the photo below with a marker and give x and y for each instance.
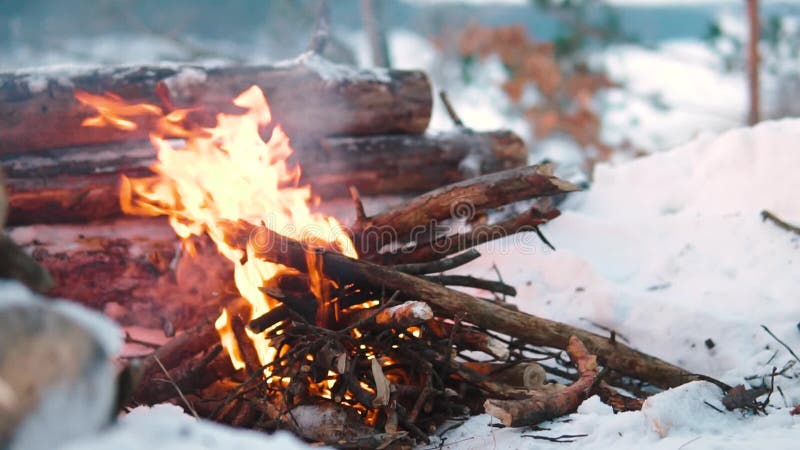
(185, 80)
(684, 77)
(678, 418)
(166, 427)
(77, 405)
(670, 250)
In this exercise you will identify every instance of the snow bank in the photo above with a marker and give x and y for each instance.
(670, 251)
(166, 427)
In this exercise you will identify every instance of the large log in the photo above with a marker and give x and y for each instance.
(133, 270)
(308, 96)
(82, 183)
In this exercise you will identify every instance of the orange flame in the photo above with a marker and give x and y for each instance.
(224, 174)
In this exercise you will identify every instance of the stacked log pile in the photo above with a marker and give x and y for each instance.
(349, 128)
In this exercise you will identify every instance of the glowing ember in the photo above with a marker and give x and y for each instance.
(225, 175)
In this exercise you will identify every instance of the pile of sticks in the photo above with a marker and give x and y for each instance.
(391, 351)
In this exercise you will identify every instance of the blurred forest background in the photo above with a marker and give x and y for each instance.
(581, 80)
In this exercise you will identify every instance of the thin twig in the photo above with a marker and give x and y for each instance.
(564, 438)
(543, 238)
(175, 385)
(771, 390)
(714, 407)
(361, 215)
(781, 342)
(499, 276)
(440, 265)
(477, 283)
(766, 215)
(390, 302)
(450, 110)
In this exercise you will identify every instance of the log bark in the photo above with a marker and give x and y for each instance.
(528, 328)
(308, 96)
(80, 184)
(133, 270)
(542, 406)
(529, 375)
(17, 265)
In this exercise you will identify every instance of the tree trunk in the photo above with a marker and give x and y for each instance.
(376, 37)
(754, 22)
(309, 96)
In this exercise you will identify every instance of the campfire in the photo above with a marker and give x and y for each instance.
(351, 334)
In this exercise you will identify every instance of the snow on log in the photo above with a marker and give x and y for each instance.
(308, 96)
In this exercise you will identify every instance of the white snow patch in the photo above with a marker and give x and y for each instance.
(185, 81)
(37, 84)
(166, 427)
(669, 251)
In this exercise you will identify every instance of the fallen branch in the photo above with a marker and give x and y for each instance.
(440, 265)
(542, 406)
(477, 283)
(400, 317)
(470, 339)
(766, 215)
(463, 200)
(443, 246)
(529, 375)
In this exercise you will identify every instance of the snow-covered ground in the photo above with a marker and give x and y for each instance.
(669, 251)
